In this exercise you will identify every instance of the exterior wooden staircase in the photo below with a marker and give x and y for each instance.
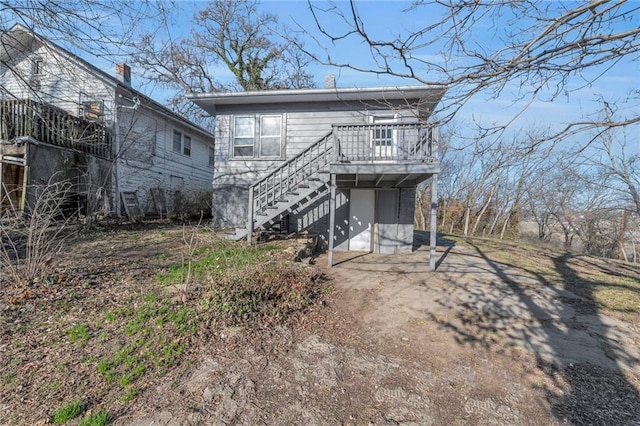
(294, 183)
(305, 177)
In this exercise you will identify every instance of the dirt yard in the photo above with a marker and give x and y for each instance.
(476, 342)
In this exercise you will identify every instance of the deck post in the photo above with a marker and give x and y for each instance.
(332, 218)
(1, 186)
(434, 222)
(250, 215)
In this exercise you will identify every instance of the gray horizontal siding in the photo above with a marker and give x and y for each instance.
(303, 126)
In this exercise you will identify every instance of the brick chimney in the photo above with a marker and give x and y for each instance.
(123, 74)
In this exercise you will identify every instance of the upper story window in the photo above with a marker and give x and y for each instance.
(212, 156)
(257, 136)
(37, 66)
(186, 145)
(181, 143)
(90, 108)
(93, 110)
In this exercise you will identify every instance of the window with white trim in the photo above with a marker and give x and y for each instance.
(243, 136)
(257, 136)
(181, 143)
(186, 145)
(212, 156)
(37, 64)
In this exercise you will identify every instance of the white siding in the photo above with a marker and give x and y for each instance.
(61, 82)
(139, 172)
(143, 134)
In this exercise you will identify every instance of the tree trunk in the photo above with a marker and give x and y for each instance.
(505, 225)
(484, 209)
(467, 213)
(444, 213)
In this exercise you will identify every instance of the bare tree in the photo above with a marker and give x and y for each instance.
(617, 166)
(232, 34)
(91, 27)
(533, 51)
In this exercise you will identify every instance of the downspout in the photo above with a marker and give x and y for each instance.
(116, 185)
(116, 180)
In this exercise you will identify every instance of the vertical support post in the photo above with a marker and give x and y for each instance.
(1, 184)
(332, 218)
(434, 222)
(250, 216)
(2, 191)
(25, 179)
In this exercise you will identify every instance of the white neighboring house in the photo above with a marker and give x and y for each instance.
(61, 116)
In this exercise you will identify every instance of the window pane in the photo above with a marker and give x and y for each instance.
(243, 151)
(383, 136)
(270, 128)
(270, 125)
(270, 147)
(243, 136)
(212, 157)
(244, 127)
(187, 145)
(177, 141)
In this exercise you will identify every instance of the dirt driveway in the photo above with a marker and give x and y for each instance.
(476, 342)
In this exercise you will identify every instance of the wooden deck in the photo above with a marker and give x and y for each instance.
(45, 123)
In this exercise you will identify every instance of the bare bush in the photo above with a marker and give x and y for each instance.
(31, 240)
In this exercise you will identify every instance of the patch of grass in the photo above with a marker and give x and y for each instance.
(209, 261)
(142, 330)
(7, 378)
(96, 418)
(78, 333)
(130, 394)
(67, 412)
(611, 285)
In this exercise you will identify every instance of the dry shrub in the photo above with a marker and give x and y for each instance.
(263, 294)
(32, 241)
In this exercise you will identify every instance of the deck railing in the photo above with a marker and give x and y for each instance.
(386, 142)
(289, 175)
(345, 143)
(49, 124)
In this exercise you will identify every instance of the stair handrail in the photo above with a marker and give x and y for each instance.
(274, 186)
(285, 183)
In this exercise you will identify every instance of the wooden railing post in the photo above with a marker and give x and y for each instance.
(250, 216)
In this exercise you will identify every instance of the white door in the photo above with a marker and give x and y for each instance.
(361, 218)
(384, 138)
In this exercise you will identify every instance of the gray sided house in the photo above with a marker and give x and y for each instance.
(342, 163)
(63, 118)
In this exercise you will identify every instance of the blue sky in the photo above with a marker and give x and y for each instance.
(386, 19)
